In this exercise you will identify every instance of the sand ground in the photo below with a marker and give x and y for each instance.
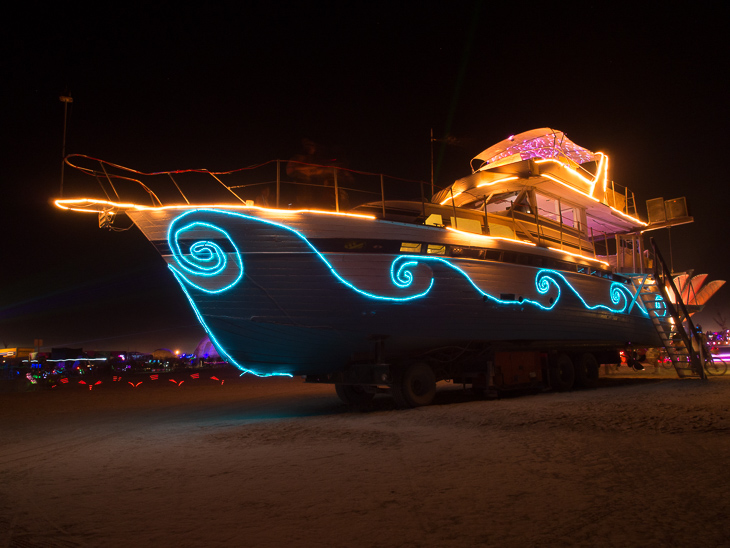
(640, 461)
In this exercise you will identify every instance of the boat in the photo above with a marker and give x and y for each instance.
(535, 250)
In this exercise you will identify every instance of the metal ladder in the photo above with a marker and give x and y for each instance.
(686, 351)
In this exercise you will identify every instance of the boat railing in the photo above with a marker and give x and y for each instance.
(297, 185)
(277, 183)
(620, 198)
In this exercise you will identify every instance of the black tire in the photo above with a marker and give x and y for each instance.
(586, 370)
(414, 385)
(716, 366)
(353, 394)
(562, 372)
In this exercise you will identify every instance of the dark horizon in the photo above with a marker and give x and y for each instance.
(227, 87)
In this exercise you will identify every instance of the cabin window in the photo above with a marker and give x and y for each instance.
(501, 202)
(568, 215)
(434, 249)
(408, 247)
(522, 205)
(547, 207)
(556, 210)
(501, 231)
(467, 225)
(434, 219)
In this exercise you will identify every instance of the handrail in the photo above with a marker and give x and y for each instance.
(660, 274)
(110, 174)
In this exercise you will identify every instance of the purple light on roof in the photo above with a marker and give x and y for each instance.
(532, 144)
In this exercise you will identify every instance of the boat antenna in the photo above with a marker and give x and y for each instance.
(431, 161)
(65, 99)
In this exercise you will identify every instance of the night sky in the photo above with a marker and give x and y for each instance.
(235, 84)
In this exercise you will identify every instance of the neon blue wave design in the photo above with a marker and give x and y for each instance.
(210, 269)
(206, 261)
(660, 307)
(218, 346)
(401, 277)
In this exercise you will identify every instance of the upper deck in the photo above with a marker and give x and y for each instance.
(537, 188)
(555, 178)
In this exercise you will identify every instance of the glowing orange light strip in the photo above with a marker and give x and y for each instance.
(579, 256)
(634, 219)
(498, 181)
(481, 185)
(452, 196)
(602, 168)
(90, 203)
(553, 178)
(491, 238)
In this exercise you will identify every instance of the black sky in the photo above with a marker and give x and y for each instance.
(228, 85)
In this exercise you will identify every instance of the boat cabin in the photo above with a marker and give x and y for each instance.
(540, 187)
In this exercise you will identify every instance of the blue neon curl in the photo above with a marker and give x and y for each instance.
(400, 274)
(620, 295)
(221, 350)
(205, 260)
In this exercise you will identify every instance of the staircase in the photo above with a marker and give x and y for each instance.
(687, 352)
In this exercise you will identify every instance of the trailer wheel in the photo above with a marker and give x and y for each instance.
(562, 373)
(586, 370)
(353, 394)
(414, 385)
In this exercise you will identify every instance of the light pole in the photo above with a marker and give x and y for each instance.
(65, 100)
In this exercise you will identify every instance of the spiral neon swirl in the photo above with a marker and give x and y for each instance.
(620, 295)
(206, 265)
